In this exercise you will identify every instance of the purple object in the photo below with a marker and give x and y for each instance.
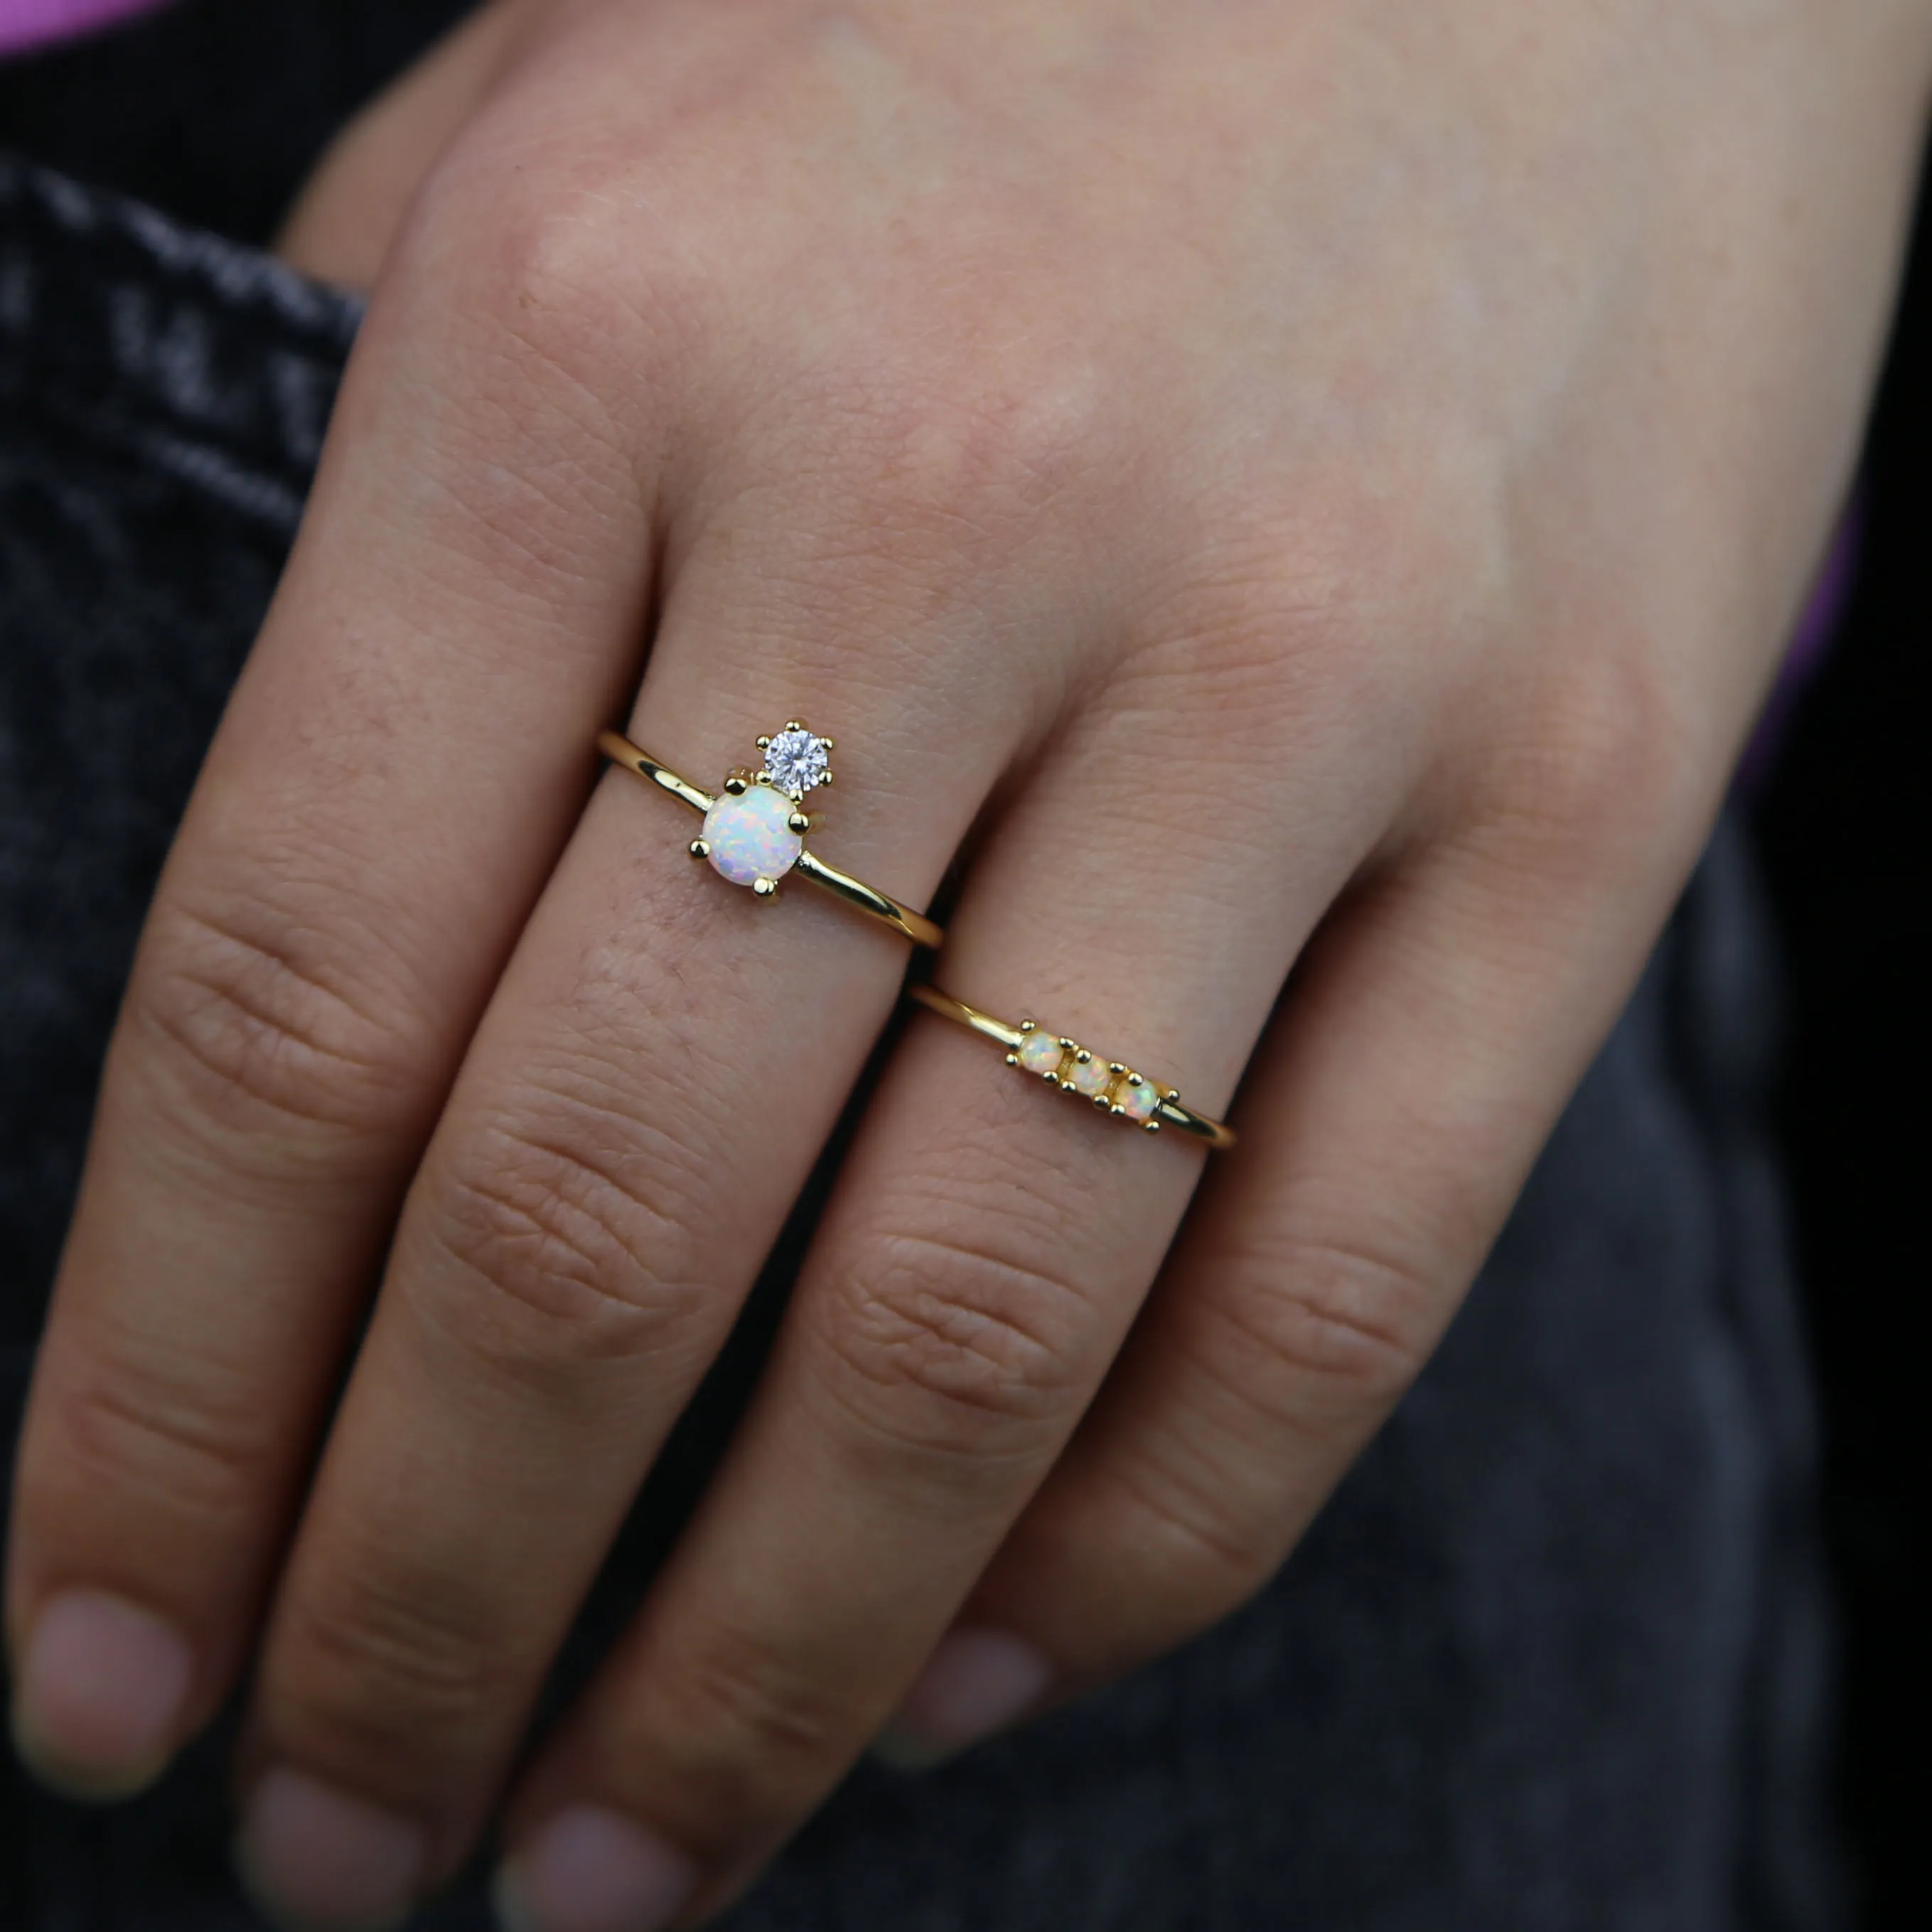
(1810, 646)
(28, 23)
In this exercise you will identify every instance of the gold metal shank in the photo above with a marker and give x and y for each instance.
(1170, 1112)
(903, 920)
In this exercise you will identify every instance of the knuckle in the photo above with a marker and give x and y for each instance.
(1266, 623)
(173, 1443)
(750, 1722)
(1325, 1328)
(947, 1345)
(373, 1660)
(547, 341)
(1602, 760)
(974, 441)
(577, 1225)
(580, 280)
(1202, 1542)
(260, 1022)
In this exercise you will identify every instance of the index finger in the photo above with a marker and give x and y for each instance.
(360, 853)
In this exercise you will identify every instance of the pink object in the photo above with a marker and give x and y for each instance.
(102, 1694)
(28, 23)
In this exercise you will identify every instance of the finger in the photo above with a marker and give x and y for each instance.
(1430, 1042)
(663, 1060)
(351, 207)
(985, 1251)
(363, 844)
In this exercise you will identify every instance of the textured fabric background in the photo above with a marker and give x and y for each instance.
(1551, 1660)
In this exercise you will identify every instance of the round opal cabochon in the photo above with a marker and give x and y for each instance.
(749, 837)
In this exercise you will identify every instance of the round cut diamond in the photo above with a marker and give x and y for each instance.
(748, 836)
(797, 760)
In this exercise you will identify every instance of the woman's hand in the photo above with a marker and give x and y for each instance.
(1317, 487)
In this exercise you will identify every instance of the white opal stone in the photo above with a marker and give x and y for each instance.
(1137, 1099)
(1039, 1053)
(749, 837)
(1090, 1077)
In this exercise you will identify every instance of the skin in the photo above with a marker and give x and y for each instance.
(1317, 486)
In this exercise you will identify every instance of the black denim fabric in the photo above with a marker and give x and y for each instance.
(1552, 1660)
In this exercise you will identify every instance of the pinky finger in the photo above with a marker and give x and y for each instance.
(1438, 1026)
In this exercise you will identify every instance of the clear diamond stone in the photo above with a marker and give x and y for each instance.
(797, 761)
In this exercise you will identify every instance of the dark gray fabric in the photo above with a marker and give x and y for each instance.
(1551, 1662)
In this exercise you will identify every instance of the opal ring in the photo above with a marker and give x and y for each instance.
(1109, 1084)
(755, 828)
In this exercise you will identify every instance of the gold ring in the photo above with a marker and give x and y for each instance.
(1074, 1070)
(755, 829)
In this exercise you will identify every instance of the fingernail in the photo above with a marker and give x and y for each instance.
(590, 1870)
(102, 1688)
(315, 1859)
(977, 1682)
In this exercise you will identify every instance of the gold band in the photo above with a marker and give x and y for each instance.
(1075, 1069)
(903, 920)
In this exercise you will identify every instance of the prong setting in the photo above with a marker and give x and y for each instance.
(796, 759)
(755, 829)
(1111, 1085)
(1123, 1091)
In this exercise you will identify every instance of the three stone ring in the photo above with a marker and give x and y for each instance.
(1110, 1084)
(755, 826)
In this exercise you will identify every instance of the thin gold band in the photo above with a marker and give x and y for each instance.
(903, 920)
(1117, 1087)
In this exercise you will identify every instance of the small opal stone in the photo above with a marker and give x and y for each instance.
(1090, 1077)
(1039, 1053)
(1137, 1101)
(749, 837)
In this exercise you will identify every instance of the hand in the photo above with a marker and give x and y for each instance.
(1316, 487)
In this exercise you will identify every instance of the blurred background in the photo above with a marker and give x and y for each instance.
(175, 109)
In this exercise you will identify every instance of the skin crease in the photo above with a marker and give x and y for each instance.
(1321, 485)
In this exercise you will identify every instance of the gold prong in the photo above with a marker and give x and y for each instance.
(827, 779)
(765, 888)
(1013, 1060)
(1099, 1099)
(1029, 1026)
(1152, 1126)
(1134, 1079)
(1115, 1067)
(764, 744)
(1116, 1109)
(737, 784)
(1066, 1086)
(699, 848)
(797, 725)
(1065, 1043)
(799, 822)
(1080, 1058)
(761, 776)
(829, 745)
(1172, 1093)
